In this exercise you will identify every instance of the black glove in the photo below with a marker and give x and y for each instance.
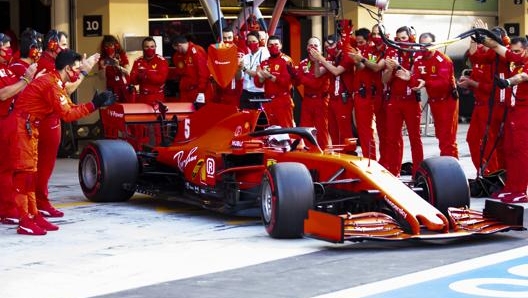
(502, 83)
(103, 99)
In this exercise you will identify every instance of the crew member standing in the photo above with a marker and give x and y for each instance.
(30, 51)
(273, 74)
(54, 42)
(10, 86)
(434, 71)
(193, 71)
(230, 94)
(484, 159)
(366, 88)
(341, 104)
(314, 109)
(50, 127)
(114, 68)
(150, 72)
(248, 70)
(375, 62)
(516, 128)
(47, 95)
(403, 106)
(496, 98)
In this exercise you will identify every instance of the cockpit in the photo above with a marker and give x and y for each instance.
(280, 141)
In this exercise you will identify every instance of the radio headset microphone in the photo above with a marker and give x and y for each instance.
(380, 4)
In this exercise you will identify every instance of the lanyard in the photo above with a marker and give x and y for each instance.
(253, 63)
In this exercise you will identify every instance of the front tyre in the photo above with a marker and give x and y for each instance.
(286, 195)
(444, 183)
(108, 170)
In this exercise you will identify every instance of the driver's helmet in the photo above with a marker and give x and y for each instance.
(281, 141)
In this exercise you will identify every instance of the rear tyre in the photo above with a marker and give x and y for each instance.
(444, 183)
(108, 170)
(286, 194)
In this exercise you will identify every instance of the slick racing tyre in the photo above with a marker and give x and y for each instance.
(286, 194)
(443, 182)
(108, 170)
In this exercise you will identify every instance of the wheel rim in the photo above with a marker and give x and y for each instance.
(266, 202)
(422, 182)
(89, 171)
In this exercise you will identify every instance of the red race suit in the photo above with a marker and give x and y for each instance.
(340, 108)
(45, 97)
(280, 109)
(314, 109)
(7, 146)
(150, 75)
(192, 69)
(402, 106)
(436, 69)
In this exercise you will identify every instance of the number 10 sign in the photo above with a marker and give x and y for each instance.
(92, 25)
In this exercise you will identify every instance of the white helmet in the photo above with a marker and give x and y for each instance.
(279, 140)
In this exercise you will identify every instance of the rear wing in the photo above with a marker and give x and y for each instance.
(117, 117)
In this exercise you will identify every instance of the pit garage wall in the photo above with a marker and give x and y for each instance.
(119, 18)
(513, 13)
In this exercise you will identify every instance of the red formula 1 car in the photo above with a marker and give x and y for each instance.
(233, 162)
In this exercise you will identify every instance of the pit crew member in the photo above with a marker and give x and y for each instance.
(150, 72)
(193, 71)
(46, 96)
(273, 74)
(402, 106)
(10, 86)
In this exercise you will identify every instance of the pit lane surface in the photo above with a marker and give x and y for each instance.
(152, 248)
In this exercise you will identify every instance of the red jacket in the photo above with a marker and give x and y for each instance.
(398, 87)
(114, 76)
(366, 76)
(483, 56)
(313, 86)
(7, 78)
(19, 67)
(479, 73)
(46, 62)
(522, 91)
(193, 69)
(337, 87)
(150, 75)
(277, 66)
(438, 73)
(46, 96)
(348, 77)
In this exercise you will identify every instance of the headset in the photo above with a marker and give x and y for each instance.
(51, 40)
(410, 32)
(4, 38)
(29, 47)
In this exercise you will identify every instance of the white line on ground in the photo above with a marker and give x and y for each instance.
(427, 275)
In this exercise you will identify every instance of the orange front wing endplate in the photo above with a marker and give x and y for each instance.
(496, 217)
